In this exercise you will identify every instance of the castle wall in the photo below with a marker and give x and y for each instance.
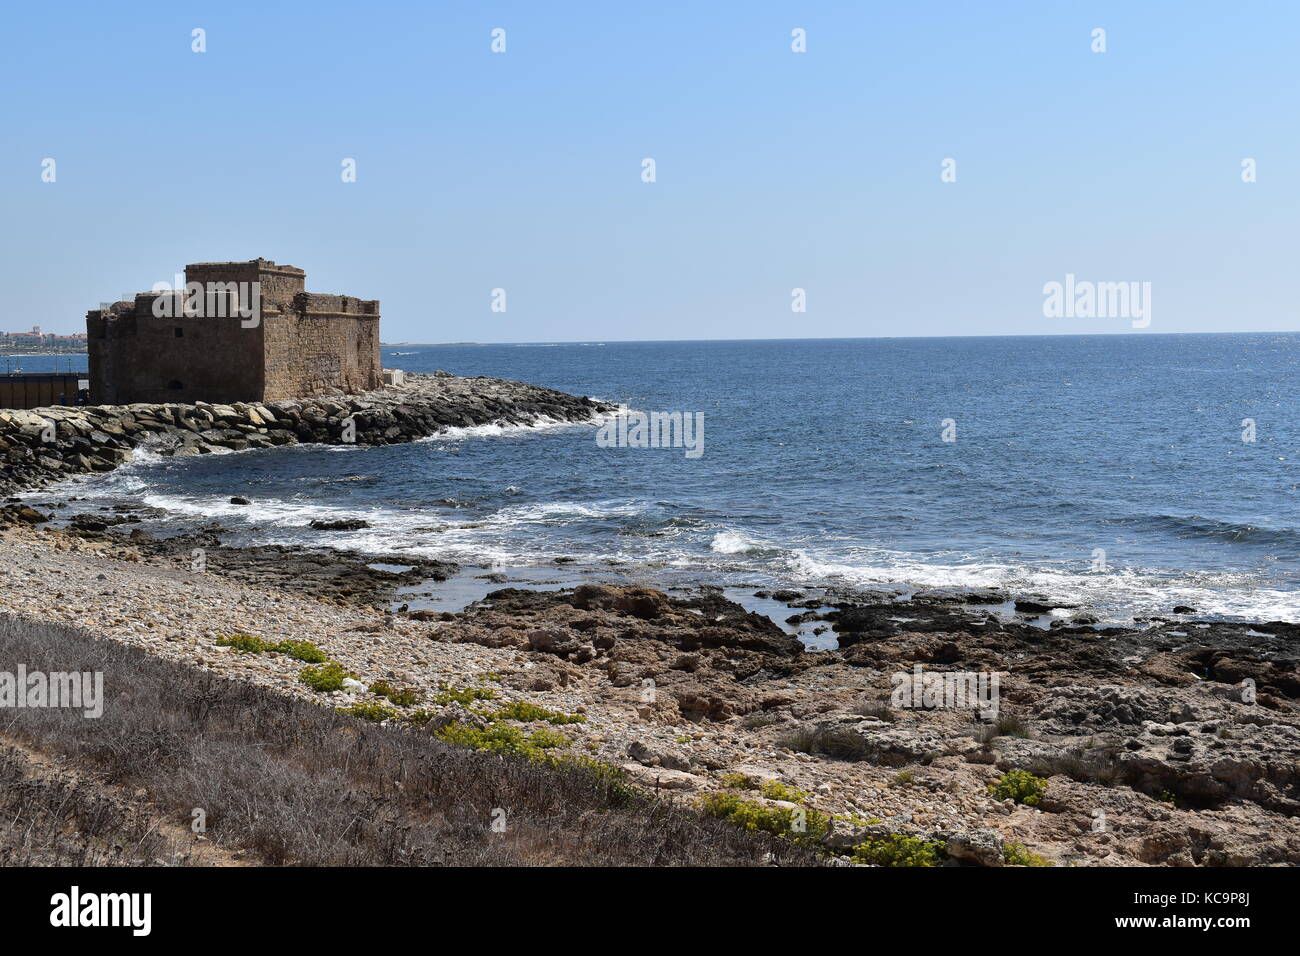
(328, 341)
(104, 341)
(304, 344)
(140, 357)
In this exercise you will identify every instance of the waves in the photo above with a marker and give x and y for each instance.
(827, 467)
(1199, 527)
(508, 526)
(494, 530)
(537, 426)
(733, 542)
(1120, 594)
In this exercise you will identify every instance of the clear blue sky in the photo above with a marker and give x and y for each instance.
(775, 170)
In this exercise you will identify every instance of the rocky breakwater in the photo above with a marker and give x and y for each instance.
(46, 444)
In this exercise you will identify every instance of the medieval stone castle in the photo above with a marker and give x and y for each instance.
(237, 332)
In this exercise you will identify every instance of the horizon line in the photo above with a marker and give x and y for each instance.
(802, 338)
(833, 338)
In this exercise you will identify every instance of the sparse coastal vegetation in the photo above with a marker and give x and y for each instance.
(281, 781)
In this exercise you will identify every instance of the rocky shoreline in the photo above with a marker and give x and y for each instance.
(1171, 742)
(45, 445)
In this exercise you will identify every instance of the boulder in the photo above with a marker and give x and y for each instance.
(658, 778)
(976, 847)
(655, 755)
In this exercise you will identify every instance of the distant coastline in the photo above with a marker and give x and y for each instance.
(27, 353)
(422, 345)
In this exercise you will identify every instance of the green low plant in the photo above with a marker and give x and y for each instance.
(401, 696)
(543, 746)
(1016, 854)
(899, 849)
(544, 739)
(526, 712)
(499, 738)
(607, 772)
(369, 710)
(612, 778)
(304, 651)
(803, 825)
(448, 694)
(775, 790)
(244, 643)
(324, 678)
(1021, 786)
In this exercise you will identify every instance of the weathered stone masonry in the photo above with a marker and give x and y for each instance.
(302, 343)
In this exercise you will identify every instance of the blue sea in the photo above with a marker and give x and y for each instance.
(1108, 472)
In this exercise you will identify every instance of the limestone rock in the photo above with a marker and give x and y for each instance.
(659, 778)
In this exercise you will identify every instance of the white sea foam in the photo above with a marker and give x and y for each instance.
(534, 533)
(514, 535)
(1126, 593)
(734, 542)
(540, 425)
(270, 512)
